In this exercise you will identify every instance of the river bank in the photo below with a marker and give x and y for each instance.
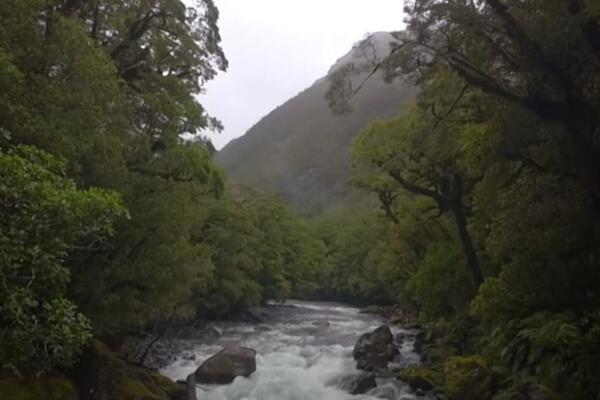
(302, 350)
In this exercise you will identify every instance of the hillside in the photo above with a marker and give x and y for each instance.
(301, 151)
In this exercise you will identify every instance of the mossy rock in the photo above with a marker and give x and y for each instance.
(421, 378)
(42, 388)
(468, 378)
(108, 377)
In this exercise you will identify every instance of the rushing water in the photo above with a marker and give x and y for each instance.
(302, 354)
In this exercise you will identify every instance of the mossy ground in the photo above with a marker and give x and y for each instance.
(113, 377)
(44, 388)
(100, 372)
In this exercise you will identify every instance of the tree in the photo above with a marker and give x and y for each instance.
(507, 49)
(401, 154)
(44, 218)
(152, 269)
(163, 50)
(110, 86)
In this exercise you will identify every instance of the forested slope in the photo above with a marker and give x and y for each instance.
(301, 150)
(488, 189)
(113, 228)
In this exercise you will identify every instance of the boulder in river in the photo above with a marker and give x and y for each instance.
(322, 323)
(227, 364)
(359, 383)
(375, 349)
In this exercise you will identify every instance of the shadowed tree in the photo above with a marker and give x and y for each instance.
(512, 50)
(397, 155)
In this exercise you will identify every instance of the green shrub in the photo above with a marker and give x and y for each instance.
(42, 218)
(442, 285)
(468, 378)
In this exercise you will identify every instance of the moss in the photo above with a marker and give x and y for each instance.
(131, 389)
(421, 378)
(43, 388)
(172, 389)
(104, 373)
(468, 378)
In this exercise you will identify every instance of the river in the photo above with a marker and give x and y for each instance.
(302, 354)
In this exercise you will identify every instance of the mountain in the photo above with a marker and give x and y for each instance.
(301, 150)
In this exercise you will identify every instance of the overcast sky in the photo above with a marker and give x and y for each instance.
(277, 48)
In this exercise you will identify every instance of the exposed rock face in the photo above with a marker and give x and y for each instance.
(358, 384)
(227, 364)
(374, 350)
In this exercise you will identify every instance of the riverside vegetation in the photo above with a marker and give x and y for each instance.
(114, 228)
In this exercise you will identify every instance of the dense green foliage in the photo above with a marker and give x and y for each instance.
(43, 218)
(501, 151)
(257, 250)
(112, 223)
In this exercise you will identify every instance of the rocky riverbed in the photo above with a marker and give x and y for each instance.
(304, 350)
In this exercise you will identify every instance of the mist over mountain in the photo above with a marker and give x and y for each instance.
(302, 151)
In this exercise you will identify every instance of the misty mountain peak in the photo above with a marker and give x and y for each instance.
(372, 49)
(301, 150)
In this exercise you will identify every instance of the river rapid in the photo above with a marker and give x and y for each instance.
(303, 353)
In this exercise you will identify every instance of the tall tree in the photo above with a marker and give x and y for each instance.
(508, 49)
(409, 153)
(44, 219)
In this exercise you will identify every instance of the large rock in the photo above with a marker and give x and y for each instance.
(224, 366)
(359, 383)
(374, 350)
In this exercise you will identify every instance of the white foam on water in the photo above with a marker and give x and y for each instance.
(298, 358)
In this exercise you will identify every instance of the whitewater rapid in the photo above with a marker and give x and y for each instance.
(302, 354)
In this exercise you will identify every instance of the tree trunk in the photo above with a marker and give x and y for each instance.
(458, 211)
(583, 155)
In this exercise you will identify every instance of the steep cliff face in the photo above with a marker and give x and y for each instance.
(301, 150)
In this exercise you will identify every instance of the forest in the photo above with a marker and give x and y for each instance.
(484, 224)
